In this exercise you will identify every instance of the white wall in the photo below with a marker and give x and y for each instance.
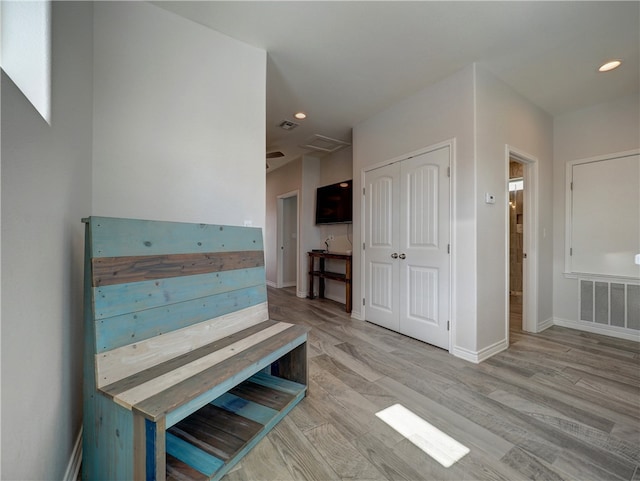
(439, 113)
(280, 181)
(309, 233)
(179, 123)
(595, 131)
(506, 118)
(336, 168)
(46, 190)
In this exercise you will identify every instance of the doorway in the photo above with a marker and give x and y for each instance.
(521, 298)
(288, 254)
(516, 243)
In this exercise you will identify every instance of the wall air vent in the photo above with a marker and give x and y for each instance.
(322, 143)
(288, 125)
(610, 302)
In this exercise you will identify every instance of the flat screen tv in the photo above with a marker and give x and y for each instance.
(334, 203)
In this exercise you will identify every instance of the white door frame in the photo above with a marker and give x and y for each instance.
(280, 237)
(530, 240)
(451, 143)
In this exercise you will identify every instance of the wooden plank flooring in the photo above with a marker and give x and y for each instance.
(559, 405)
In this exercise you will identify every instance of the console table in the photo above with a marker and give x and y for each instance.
(322, 274)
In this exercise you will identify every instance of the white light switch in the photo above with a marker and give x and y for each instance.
(489, 198)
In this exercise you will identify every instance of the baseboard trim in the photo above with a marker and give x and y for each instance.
(546, 324)
(611, 331)
(481, 355)
(73, 468)
(466, 354)
(272, 284)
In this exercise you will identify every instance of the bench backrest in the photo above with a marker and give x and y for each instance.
(161, 289)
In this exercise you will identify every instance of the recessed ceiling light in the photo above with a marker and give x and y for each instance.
(300, 115)
(612, 64)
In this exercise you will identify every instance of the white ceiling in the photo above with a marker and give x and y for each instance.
(343, 61)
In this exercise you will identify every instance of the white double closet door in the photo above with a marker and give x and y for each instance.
(407, 229)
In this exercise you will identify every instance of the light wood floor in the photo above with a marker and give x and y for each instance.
(562, 404)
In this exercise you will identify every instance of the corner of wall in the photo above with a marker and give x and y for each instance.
(481, 355)
(544, 325)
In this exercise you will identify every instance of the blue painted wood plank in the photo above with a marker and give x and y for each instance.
(131, 237)
(107, 439)
(191, 455)
(134, 327)
(278, 383)
(247, 409)
(120, 299)
(208, 396)
(150, 446)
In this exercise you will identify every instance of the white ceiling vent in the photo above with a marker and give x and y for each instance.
(288, 125)
(324, 144)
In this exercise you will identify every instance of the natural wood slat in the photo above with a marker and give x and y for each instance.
(179, 471)
(180, 393)
(168, 366)
(271, 398)
(125, 361)
(209, 437)
(119, 270)
(160, 384)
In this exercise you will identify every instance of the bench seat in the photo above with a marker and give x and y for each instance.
(181, 385)
(184, 370)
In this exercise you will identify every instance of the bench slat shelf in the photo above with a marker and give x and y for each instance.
(184, 371)
(220, 433)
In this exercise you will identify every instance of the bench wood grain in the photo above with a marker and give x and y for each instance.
(184, 371)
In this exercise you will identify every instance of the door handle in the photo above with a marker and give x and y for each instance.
(394, 255)
(402, 256)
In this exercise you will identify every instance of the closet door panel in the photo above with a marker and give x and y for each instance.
(424, 238)
(381, 244)
(407, 268)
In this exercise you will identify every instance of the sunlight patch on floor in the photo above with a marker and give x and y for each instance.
(440, 446)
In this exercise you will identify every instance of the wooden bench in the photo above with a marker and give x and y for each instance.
(184, 372)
